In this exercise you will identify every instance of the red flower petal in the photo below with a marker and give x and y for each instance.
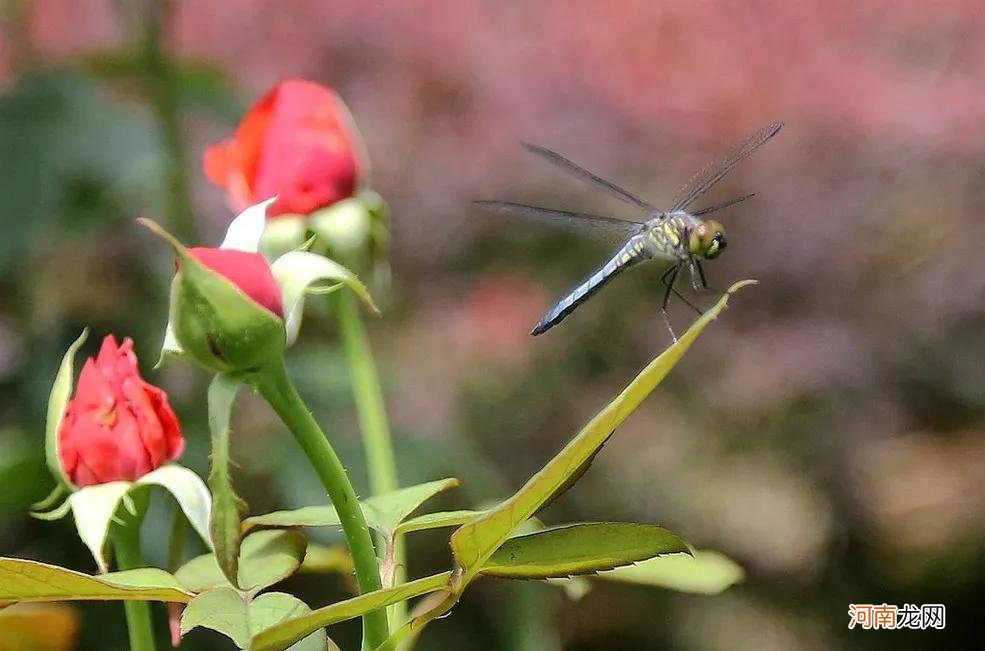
(250, 272)
(297, 144)
(116, 426)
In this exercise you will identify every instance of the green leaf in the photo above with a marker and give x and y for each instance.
(61, 392)
(272, 608)
(189, 491)
(383, 512)
(437, 520)
(23, 580)
(296, 271)
(266, 557)
(583, 548)
(221, 609)
(282, 635)
(93, 508)
(708, 572)
(327, 559)
(227, 611)
(474, 542)
(226, 505)
(213, 321)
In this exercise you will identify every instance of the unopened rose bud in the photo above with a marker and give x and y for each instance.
(297, 143)
(117, 426)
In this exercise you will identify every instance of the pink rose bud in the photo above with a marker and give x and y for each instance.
(116, 426)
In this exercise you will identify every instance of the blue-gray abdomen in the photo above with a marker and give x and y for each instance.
(626, 257)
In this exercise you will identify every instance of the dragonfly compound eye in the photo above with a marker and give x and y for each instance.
(710, 240)
(716, 246)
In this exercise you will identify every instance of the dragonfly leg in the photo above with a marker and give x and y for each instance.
(670, 328)
(705, 287)
(671, 288)
(698, 282)
(669, 282)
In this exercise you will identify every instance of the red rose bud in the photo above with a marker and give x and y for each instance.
(227, 311)
(117, 426)
(250, 272)
(298, 143)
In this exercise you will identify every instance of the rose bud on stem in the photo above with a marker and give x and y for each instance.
(116, 430)
(298, 143)
(227, 313)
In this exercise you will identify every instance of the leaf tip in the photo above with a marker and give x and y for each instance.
(736, 286)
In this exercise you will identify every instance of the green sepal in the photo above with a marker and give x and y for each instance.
(344, 226)
(52, 513)
(299, 273)
(61, 392)
(213, 321)
(282, 234)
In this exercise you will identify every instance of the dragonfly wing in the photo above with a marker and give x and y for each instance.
(713, 173)
(580, 172)
(723, 205)
(609, 228)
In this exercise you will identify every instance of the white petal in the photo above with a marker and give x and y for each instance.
(189, 491)
(245, 231)
(93, 508)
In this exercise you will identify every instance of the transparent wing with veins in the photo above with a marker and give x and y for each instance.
(580, 172)
(713, 173)
(612, 229)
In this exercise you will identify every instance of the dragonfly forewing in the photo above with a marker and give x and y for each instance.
(714, 172)
(604, 227)
(580, 172)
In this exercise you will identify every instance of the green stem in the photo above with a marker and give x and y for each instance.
(276, 387)
(368, 396)
(126, 546)
(163, 94)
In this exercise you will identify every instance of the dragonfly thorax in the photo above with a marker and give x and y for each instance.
(707, 239)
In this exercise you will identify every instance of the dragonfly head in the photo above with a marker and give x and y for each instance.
(707, 239)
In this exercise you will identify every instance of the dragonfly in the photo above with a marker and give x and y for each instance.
(677, 236)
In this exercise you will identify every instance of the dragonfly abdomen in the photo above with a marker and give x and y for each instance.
(632, 253)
